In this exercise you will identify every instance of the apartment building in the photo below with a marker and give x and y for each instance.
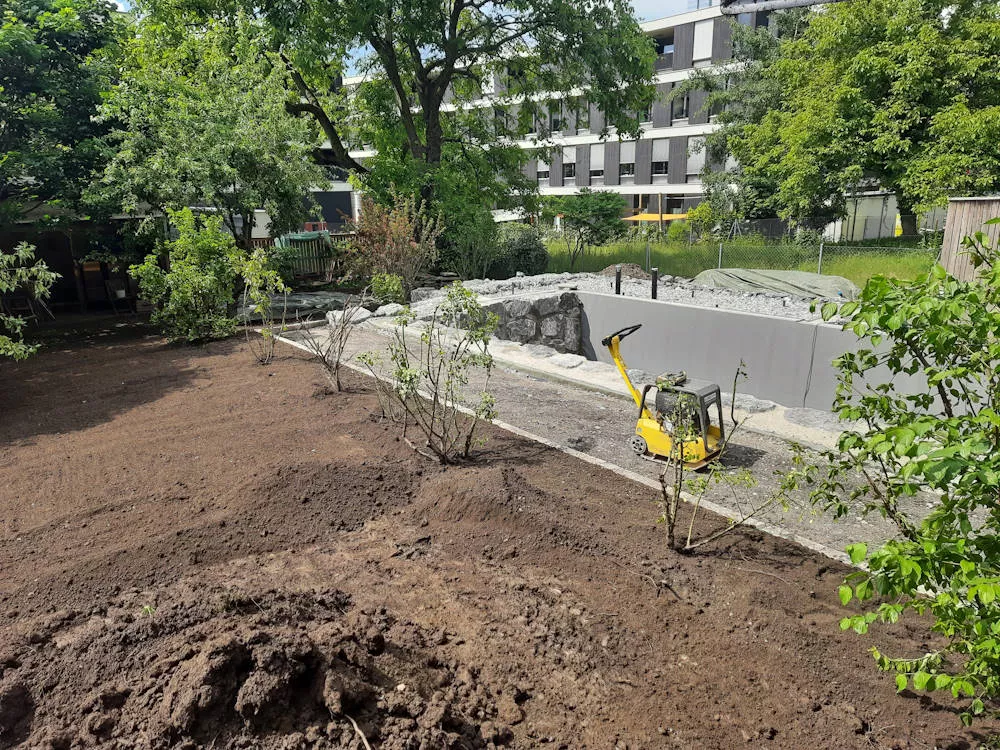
(659, 174)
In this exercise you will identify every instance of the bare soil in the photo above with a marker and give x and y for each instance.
(198, 551)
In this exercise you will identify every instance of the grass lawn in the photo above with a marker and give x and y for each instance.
(855, 263)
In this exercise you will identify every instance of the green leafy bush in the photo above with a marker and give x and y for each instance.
(387, 288)
(520, 248)
(679, 231)
(194, 297)
(19, 271)
(938, 435)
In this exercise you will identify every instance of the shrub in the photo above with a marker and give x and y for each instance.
(20, 270)
(387, 287)
(520, 248)
(938, 435)
(679, 231)
(471, 248)
(194, 297)
(261, 282)
(399, 239)
(430, 370)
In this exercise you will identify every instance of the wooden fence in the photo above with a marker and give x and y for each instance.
(966, 216)
(315, 257)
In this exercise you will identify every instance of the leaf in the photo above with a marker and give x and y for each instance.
(920, 680)
(857, 552)
(901, 682)
(845, 594)
(829, 310)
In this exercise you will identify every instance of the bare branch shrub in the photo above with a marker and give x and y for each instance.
(261, 283)
(429, 371)
(329, 343)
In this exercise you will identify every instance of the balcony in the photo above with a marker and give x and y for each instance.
(664, 61)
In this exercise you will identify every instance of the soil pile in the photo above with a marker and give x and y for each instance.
(221, 666)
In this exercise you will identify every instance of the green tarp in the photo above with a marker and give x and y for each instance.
(795, 283)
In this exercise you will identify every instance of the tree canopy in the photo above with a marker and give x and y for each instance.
(424, 67)
(55, 60)
(202, 122)
(593, 217)
(898, 94)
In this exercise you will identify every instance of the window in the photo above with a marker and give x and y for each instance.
(582, 108)
(543, 172)
(569, 163)
(661, 156)
(696, 159)
(703, 43)
(744, 19)
(626, 163)
(646, 115)
(679, 107)
(665, 51)
(556, 121)
(597, 164)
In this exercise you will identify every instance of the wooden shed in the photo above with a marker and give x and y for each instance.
(966, 216)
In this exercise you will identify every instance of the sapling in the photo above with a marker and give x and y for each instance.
(261, 284)
(329, 350)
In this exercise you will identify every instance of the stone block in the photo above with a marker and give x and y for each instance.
(522, 330)
(424, 292)
(518, 308)
(547, 306)
(550, 327)
(567, 361)
(388, 310)
(569, 302)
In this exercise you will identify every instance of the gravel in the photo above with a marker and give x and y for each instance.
(671, 289)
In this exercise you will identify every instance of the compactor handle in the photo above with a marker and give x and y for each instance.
(627, 331)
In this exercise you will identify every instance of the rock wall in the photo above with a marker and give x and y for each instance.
(553, 321)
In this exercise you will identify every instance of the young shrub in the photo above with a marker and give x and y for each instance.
(400, 239)
(20, 271)
(261, 283)
(193, 298)
(387, 288)
(936, 434)
(470, 249)
(430, 370)
(328, 345)
(521, 248)
(679, 232)
(676, 479)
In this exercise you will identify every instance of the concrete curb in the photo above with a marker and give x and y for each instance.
(764, 526)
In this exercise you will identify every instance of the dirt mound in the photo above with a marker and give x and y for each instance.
(226, 667)
(629, 270)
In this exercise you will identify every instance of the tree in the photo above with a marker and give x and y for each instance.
(588, 218)
(426, 66)
(203, 123)
(898, 94)
(942, 439)
(55, 60)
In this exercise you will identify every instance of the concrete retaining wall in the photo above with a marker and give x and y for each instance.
(787, 361)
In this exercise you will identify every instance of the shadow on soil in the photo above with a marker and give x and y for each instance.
(89, 370)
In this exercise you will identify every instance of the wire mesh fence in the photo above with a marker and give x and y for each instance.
(857, 263)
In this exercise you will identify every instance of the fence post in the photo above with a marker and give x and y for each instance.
(819, 268)
(720, 255)
(618, 279)
(655, 278)
(647, 254)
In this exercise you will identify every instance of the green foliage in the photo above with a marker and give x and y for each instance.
(939, 434)
(19, 271)
(387, 288)
(414, 56)
(261, 283)
(588, 218)
(904, 94)
(193, 298)
(520, 248)
(202, 122)
(703, 220)
(431, 370)
(397, 238)
(679, 232)
(471, 249)
(54, 64)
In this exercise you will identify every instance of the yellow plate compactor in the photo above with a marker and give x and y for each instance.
(683, 410)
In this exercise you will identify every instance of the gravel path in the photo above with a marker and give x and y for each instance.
(670, 289)
(600, 424)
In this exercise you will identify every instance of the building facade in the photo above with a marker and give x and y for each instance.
(659, 173)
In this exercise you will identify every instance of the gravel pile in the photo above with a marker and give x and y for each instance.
(671, 289)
